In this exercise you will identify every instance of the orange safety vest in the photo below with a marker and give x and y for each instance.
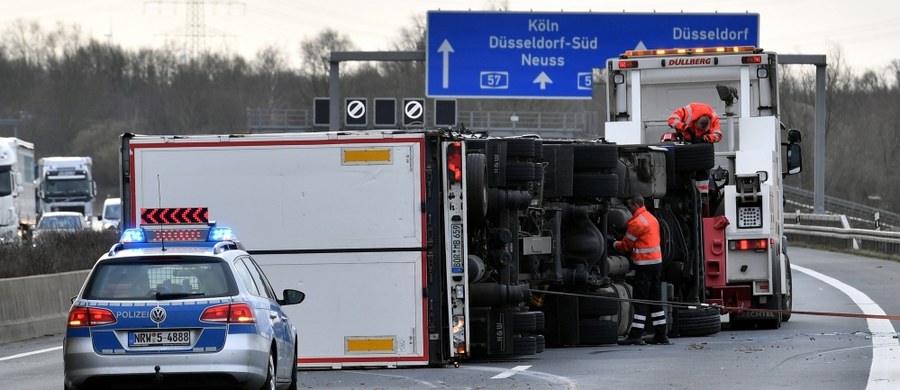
(642, 238)
(684, 120)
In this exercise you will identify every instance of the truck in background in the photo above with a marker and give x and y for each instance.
(17, 193)
(66, 184)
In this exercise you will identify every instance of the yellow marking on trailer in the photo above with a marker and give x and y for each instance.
(369, 344)
(370, 156)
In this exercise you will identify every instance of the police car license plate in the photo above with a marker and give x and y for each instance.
(159, 338)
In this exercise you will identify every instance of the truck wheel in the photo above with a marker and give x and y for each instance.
(694, 157)
(525, 321)
(539, 321)
(702, 321)
(597, 332)
(787, 303)
(595, 185)
(596, 156)
(591, 308)
(521, 147)
(524, 345)
(626, 309)
(540, 343)
(476, 184)
(518, 171)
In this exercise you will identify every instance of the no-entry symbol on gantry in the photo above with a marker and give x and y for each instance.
(355, 112)
(413, 112)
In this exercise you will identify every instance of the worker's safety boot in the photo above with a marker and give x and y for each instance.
(632, 339)
(660, 338)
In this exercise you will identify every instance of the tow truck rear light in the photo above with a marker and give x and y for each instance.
(454, 162)
(749, 245)
(83, 316)
(751, 60)
(628, 64)
(234, 313)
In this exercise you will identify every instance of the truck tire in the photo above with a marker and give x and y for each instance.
(517, 171)
(539, 321)
(693, 157)
(524, 345)
(595, 185)
(476, 184)
(598, 332)
(626, 309)
(702, 321)
(787, 302)
(525, 321)
(592, 308)
(595, 156)
(521, 147)
(540, 343)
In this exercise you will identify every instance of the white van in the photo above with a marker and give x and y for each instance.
(112, 213)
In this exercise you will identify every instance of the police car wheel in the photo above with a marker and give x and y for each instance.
(269, 384)
(293, 385)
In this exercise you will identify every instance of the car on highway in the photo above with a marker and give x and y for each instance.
(111, 214)
(58, 223)
(180, 307)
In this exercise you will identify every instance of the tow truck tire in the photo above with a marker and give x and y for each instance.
(524, 345)
(595, 185)
(787, 302)
(598, 332)
(702, 321)
(592, 308)
(525, 321)
(476, 184)
(694, 157)
(596, 156)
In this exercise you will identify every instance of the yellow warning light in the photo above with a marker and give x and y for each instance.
(689, 51)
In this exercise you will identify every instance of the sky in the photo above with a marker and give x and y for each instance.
(866, 32)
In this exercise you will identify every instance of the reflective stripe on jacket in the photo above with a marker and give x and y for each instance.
(642, 238)
(684, 120)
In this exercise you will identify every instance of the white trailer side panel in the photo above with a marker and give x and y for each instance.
(345, 228)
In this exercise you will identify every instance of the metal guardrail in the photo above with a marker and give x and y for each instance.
(833, 231)
(861, 215)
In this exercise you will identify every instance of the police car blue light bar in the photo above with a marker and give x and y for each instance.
(133, 235)
(221, 234)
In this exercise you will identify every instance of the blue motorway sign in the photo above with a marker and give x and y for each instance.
(552, 55)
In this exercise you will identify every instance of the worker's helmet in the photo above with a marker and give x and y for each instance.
(703, 123)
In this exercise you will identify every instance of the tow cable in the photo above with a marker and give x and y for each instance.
(724, 309)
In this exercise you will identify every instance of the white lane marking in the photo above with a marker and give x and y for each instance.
(21, 355)
(552, 379)
(883, 374)
(394, 376)
(510, 372)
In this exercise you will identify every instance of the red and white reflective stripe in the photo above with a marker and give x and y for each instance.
(630, 237)
(646, 250)
(647, 261)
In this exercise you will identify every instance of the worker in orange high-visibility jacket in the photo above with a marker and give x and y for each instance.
(696, 122)
(642, 243)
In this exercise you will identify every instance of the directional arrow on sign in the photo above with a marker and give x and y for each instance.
(543, 79)
(446, 49)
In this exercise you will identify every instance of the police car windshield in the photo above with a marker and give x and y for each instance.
(148, 279)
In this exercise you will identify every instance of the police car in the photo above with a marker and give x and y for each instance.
(180, 307)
